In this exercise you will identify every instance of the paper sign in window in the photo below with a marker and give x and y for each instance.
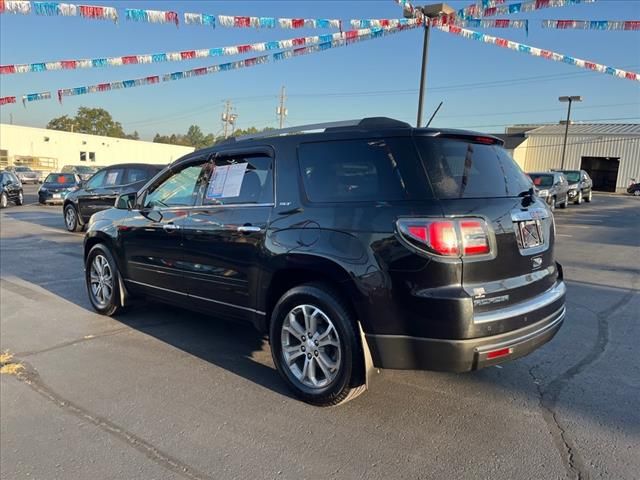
(226, 181)
(111, 178)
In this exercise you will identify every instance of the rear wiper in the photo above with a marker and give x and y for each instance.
(527, 193)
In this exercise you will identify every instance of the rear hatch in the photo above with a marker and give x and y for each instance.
(473, 176)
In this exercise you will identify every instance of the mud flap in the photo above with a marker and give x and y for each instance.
(371, 372)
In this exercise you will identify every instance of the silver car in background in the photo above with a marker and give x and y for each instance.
(25, 174)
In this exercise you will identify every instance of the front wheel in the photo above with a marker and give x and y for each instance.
(579, 198)
(552, 205)
(20, 199)
(4, 201)
(589, 197)
(315, 346)
(636, 193)
(71, 220)
(102, 278)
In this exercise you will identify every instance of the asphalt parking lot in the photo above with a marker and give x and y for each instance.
(164, 393)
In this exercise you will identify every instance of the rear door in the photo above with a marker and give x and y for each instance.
(224, 236)
(476, 177)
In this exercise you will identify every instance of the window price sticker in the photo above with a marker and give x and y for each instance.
(226, 181)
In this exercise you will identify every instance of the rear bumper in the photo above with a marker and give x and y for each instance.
(418, 353)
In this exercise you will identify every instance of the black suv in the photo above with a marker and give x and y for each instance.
(101, 190)
(369, 244)
(11, 189)
(580, 186)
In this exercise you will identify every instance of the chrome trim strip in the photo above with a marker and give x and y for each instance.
(197, 297)
(228, 304)
(510, 341)
(209, 207)
(541, 301)
(158, 288)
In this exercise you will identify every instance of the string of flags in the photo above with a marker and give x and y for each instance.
(182, 55)
(7, 100)
(271, 22)
(151, 16)
(22, 7)
(592, 24)
(526, 6)
(379, 22)
(537, 52)
(331, 41)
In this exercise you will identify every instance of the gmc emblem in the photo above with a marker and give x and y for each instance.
(536, 262)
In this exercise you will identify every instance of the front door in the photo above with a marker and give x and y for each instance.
(152, 241)
(100, 192)
(224, 236)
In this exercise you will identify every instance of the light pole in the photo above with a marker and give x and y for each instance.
(571, 99)
(428, 11)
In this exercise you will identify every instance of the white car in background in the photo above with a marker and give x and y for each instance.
(25, 174)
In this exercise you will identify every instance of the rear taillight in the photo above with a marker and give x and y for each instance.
(448, 238)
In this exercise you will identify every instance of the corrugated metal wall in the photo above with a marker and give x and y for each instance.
(543, 152)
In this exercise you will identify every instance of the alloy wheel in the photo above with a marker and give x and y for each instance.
(3, 200)
(101, 280)
(311, 346)
(70, 218)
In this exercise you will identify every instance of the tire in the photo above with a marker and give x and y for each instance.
(578, 200)
(71, 220)
(101, 272)
(589, 197)
(20, 199)
(636, 193)
(326, 371)
(565, 204)
(4, 201)
(552, 206)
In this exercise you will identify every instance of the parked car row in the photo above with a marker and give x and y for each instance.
(561, 187)
(11, 189)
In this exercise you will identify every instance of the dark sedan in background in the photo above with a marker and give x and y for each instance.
(552, 187)
(57, 186)
(11, 189)
(101, 190)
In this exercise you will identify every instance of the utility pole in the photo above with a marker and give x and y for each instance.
(281, 111)
(11, 119)
(571, 99)
(228, 118)
(428, 12)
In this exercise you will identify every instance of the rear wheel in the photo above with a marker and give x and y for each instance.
(315, 346)
(71, 220)
(4, 201)
(103, 281)
(20, 199)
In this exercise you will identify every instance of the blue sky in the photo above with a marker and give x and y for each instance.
(483, 87)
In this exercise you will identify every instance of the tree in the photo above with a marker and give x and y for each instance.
(94, 121)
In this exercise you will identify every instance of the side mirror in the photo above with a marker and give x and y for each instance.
(126, 201)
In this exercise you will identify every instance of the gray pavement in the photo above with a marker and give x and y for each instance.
(165, 393)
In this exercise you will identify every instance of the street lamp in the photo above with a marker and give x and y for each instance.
(429, 11)
(570, 99)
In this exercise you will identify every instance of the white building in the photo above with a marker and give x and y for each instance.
(50, 150)
(610, 153)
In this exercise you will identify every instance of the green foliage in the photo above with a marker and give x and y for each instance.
(94, 121)
(197, 139)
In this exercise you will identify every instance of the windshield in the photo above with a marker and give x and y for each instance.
(573, 177)
(541, 180)
(459, 168)
(23, 169)
(60, 178)
(85, 170)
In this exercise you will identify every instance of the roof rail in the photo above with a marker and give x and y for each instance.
(372, 122)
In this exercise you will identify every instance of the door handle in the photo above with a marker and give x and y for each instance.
(248, 229)
(170, 227)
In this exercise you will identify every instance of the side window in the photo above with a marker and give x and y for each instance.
(136, 174)
(96, 180)
(114, 177)
(367, 170)
(239, 180)
(179, 190)
(13, 178)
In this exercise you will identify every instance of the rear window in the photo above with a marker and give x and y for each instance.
(61, 178)
(458, 168)
(362, 170)
(573, 177)
(136, 175)
(541, 180)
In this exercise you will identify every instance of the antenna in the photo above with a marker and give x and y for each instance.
(434, 114)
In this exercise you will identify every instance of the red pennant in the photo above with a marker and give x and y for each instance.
(103, 87)
(502, 42)
(244, 48)
(91, 11)
(198, 71)
(171, 17)
(455, 29)
(1, 6)
(351, 34)
(297, 22)
(188, 54)
(241, 22)
(68, 64)
(154, 79)
(590, 65)
(631, 75)
(299, 41)
(130, 60)
(546, 54)
(384, 22)
(7, 69)
(632, 25)
(502, 23)
(542, 4)
(489, 12)
(7, 100)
